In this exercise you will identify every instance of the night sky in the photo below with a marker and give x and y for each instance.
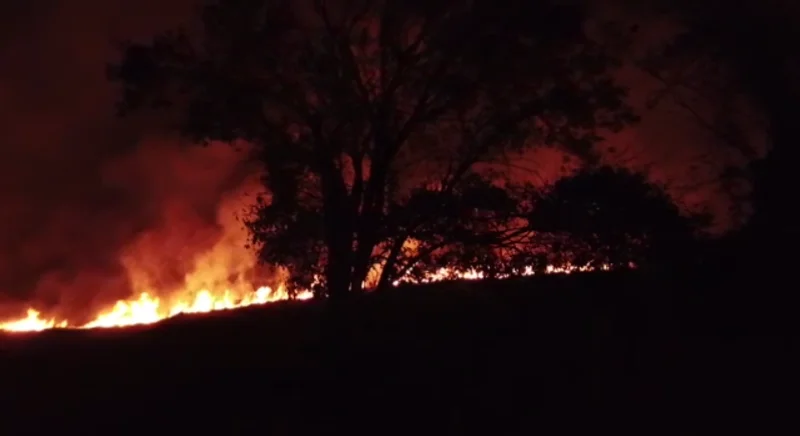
(79, 186)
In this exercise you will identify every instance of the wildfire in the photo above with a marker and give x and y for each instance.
(31, 323)
(148, 309)
(219, 273)
(474, 274)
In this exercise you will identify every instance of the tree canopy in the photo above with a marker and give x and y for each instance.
(615, 217)
(379, 123)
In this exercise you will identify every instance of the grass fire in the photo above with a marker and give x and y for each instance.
(313, 217)
(148, 308)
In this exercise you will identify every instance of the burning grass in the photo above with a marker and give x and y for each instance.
(468, 357)
(148, 308)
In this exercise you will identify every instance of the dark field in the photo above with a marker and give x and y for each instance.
(656, 353)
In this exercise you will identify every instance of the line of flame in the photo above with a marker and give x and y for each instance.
(147, 309)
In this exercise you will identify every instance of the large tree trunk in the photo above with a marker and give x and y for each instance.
(367, 238)
(339, 266)
(361, 266)
(339, 225)
(337, 275)
(372, 211)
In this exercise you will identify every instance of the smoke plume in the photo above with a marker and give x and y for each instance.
(87, 197)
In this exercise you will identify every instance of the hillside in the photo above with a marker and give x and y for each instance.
(510, 357)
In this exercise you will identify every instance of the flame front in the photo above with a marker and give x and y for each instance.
(220, 276)
(149, 309)
(31, 323)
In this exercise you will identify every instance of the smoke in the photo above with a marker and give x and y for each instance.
(153, 209)
(80, 189)
(87, 197)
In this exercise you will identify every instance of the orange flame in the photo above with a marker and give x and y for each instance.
(31, 323)
(219, 278)
(147, 309)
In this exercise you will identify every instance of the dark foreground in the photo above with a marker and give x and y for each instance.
(637, 353)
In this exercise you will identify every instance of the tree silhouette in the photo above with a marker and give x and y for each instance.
(468, 229)
(374, 119)
(614, 216)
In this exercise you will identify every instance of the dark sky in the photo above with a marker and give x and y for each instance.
(77, 185)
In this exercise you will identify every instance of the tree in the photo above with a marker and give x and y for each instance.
(372, 117)
(476, 228)
(614, 216)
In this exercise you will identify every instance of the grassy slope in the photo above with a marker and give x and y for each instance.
(510, 357)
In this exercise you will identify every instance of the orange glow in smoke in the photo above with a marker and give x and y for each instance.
(219, 276)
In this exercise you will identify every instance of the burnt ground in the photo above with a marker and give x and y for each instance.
(645, 353)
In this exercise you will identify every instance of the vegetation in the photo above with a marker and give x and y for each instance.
(615, 217)
(383, 128)
(375, 119)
